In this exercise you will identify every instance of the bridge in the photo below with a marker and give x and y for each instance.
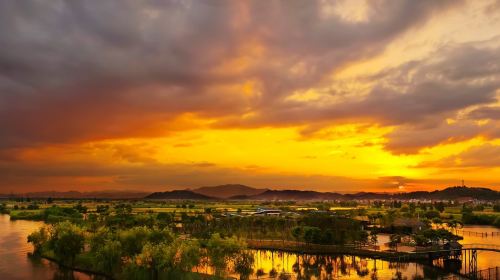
(476, 247)
(478, 234)
(469, 253)
(492, 273)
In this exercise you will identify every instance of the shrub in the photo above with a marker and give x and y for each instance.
(38, 239)
(67, 241)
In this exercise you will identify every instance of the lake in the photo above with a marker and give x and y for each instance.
(15, 263)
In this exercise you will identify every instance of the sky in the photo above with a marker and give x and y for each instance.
(344, 96)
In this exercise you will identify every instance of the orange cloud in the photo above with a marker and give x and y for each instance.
(316, 94)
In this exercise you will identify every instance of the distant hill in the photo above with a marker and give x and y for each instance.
(242, 192)
(178, 194)
(367, 195)
(456, 192)
(227, 191)
(81, 195)
(448, 193)
(295, 195)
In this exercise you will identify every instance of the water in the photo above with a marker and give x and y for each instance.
(14, 261)
(300, 266)
(485, 259)
(349, 267)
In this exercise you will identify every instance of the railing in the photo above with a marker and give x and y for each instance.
(489, 273)
(283, 244)
(488, 247)
(492, 273)
(491, 247)
(478, 234)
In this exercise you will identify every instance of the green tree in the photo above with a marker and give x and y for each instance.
(99, 238)
(373, 237)
(394, 240)
(160, 235)
(297, 233)
(156, 258)
(108, 257)
(243, 264)
(3, 209)
(38, 239)
(164, 218)
(312, 235)
(67, 241)
(496, 207)
(454, 224)
(221, 251)
(133, 240)
(102, 209)
(123, 209)
(439, 206)
(81, 208)
(432, 214)
(189, 253)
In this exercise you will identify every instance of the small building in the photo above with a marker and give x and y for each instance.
(363, 220)
(411, 225)
(454, 247)
(267, 212)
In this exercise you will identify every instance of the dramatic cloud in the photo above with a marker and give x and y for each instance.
(181, 73)
(78, 71)
(486, 112)
(484, 156)
(175, 176)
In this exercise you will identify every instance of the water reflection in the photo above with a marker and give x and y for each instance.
(303, 266)
(296, 266)
(485, 259)
(14, 261)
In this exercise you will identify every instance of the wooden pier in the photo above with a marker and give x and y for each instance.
(478, 234)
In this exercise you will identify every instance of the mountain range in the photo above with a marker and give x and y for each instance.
(242, 192)
(229, 191)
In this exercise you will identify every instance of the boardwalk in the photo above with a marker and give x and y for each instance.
(478, 234)
(466, 253)
(477, 247)
(492, 273)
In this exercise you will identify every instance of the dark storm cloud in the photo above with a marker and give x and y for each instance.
(77, 70)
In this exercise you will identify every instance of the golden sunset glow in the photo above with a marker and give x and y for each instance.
(326, 95)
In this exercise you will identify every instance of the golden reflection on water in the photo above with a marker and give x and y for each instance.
(349, 267)
(14, 249)
(313, 267)
(484, 259)
(14, 263)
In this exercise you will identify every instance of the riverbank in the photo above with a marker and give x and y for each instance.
(104, 276)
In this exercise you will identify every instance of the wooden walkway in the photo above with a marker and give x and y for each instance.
(476, 247)
(478, 234)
